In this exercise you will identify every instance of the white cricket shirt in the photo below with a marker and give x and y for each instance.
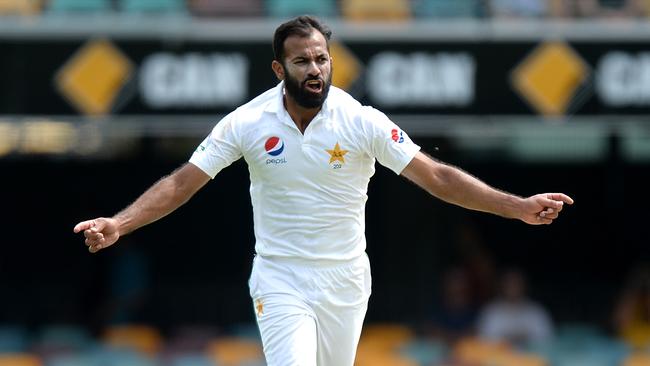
(308, 191)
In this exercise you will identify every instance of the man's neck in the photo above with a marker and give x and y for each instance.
(301, 116)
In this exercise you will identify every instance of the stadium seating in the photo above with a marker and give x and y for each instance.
(584, 345)
(246, 331)
(425, 352)
(13, 339)
(73, 360)
(65, 336)
(190, 339)
(78, 6)
(387, 336)
(356, 10)
(231, 351)
(140, 338)
(290, 8)
(190, 360)
(377, 10)
(103, 357)
(226, 8)
(637, 359)
(380, 345)
(19, 7)
(644, 8)
(486, 353)
(53, 340)
(20, 359)
(167, 7)
(370, 359)
(448, 8)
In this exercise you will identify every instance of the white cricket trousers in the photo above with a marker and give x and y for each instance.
(310, 313)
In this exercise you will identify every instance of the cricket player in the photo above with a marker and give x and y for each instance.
(311, 150)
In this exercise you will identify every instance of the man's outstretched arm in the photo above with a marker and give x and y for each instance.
(162, 198)
(455, 186)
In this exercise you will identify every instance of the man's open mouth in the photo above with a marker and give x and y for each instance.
(314, 86)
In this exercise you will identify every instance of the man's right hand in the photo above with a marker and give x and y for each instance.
(100, 233)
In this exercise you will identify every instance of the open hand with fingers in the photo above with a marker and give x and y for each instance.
(100, 233)
(542, 209)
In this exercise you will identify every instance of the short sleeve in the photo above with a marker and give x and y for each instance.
(389, 144)
(219, 149)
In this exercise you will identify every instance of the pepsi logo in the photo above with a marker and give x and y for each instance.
(274, 146)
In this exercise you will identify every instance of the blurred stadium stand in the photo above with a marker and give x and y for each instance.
(598, 147)
(173, 7)
(289, 8)
(380, 10)
(19, 7)
(227, 8)
(78, 6)
(448, 8)
(381, 344)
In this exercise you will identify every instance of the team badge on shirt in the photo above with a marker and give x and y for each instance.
(274, 146)
(259, 307)
(337, 156)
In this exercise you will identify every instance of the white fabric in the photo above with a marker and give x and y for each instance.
(307, 202)
(310, 313)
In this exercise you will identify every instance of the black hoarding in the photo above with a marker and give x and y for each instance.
(150, 77)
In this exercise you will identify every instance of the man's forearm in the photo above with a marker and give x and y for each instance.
(453, 185)
(162, 198)
(456, 186)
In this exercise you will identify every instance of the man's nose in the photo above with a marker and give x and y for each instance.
(313, 69)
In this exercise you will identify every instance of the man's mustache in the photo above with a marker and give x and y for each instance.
(312, 79)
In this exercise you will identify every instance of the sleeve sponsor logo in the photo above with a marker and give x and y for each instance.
(397, 135)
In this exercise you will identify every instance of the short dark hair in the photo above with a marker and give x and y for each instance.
(301, 26)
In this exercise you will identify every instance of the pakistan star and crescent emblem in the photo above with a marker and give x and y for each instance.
(337, 154)
(259, 306)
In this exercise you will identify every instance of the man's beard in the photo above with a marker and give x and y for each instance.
(304, 98)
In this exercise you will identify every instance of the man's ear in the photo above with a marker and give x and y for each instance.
(278, 69)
